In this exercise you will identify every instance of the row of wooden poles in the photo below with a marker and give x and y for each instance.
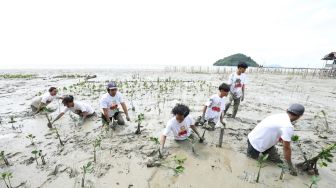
(314, 72)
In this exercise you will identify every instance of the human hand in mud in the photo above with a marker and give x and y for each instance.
(128, 118)
(201, 139)
(292, 170)
(202, 121)
(49, 125)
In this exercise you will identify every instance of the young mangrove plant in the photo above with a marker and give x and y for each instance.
(323, 114)
(31, 137)
(157, 143)
(12, 121)
(6, 176)
(261, 160)
(88, 168)
(140, 119)
(179, 161)
(58, 136)
(42, 157)
(192, 142)
(325, 156)
(282, 166)
(3, 157)
(313, 181)
(35, 152)
(96, 144)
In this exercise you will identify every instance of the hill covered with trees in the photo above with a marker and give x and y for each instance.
(234, 59)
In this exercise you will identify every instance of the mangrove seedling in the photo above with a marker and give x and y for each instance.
(58, 136)
(156, 142)
(324, 116)
(282, 166)
(324, 156)
(96, 144)
(42, 157)
(88, 168)
(262, 158)
(35, 152)
(31, 138)
(141, 117)
(192, 142)
(179, 161)
(3, 157)
(313, 181)
(12, 121)
(6, 176)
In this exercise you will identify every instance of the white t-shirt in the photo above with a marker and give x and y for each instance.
(46, 98)
(269, 131)
(107, 101)
(237, 83)
(181, 131)
(80, 106)
(215, 105)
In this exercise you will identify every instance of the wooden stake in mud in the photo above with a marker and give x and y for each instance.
(221, 137)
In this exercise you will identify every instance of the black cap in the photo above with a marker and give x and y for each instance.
(296, 109)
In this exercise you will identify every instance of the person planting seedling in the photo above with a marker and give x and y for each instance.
(3, 157)
(237, 82)
(181, 125)
(40, 102)
(109, 104)
(271, 130)
(80, 108)
(214, 108)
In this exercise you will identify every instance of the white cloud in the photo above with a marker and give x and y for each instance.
(91, 33)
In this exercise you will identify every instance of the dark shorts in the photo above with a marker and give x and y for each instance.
(117, 116)
(272, 152)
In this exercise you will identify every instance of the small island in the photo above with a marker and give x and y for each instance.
(234, 59)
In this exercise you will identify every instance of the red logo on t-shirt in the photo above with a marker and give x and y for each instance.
(215, 108)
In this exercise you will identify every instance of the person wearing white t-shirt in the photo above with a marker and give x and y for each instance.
(109, 104)
(271, 130)
(181, 125)
(214, 108)
(82, 109)
(39, 102)
(237, 82)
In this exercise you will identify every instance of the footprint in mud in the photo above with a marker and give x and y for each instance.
(102, 169)
(248, 177)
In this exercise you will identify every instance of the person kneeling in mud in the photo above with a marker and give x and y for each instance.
(40, 102)
(214, 108)
(109, 104)
(80, 108)
(181, 125)
(271, 130)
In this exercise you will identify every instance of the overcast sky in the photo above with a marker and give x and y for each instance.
(295, 33)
